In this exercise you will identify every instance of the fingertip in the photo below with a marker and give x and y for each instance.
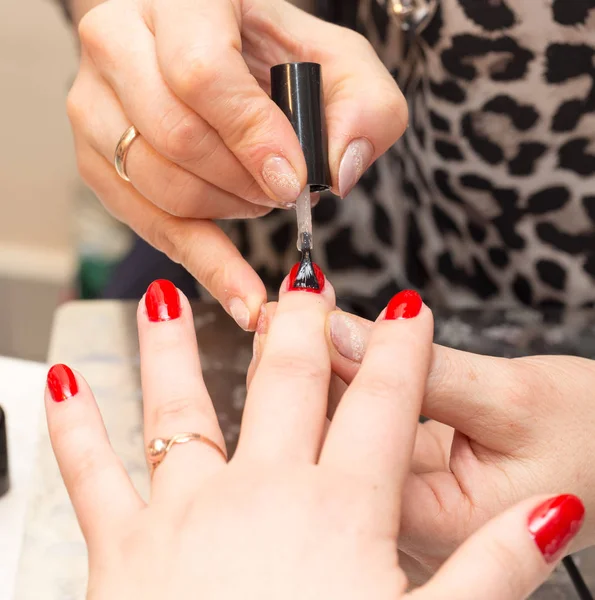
(327, 292)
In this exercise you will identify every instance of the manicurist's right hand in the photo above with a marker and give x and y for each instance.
(193, 76)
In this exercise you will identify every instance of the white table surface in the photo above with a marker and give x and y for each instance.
(21, 395)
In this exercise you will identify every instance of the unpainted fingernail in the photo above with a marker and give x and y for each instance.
(355, 161)
(240, 313)
(282, 179)
(348, 336)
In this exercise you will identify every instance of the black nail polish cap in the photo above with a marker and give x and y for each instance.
(4, 479)
(297, 89)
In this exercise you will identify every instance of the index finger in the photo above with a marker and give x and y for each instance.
(199, 51)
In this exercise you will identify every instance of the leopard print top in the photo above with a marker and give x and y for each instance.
(489, 197)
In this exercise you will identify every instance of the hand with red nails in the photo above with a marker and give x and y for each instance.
(303, 509)
(193, 77)
(501, 430)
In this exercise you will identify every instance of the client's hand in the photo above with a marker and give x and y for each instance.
(512, 428)
(299, 512)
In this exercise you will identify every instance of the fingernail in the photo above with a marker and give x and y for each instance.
(61, 383)
(355, 161)
(554, 523)
(297, 285)
(162, 301)
(282, 179)
(240, 313)
(404, 305)
(348, 337)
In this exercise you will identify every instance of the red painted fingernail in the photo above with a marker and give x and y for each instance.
(296, 286)
(61, 383)
(554, 523)
(404, 305)
(162, 301)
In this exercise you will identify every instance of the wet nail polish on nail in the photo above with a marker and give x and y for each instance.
(554, 523)
(162, 301)
(404, 305)
(317, 273)
(61, 383)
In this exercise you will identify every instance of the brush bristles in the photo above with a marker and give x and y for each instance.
(306, 278)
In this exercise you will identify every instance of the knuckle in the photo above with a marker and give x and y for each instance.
(378, 389)
(174, 410)
(297, 366)
(195, 72)
(91, 29)
(167, 235)
(75, 106)
(86, 170)
(88, 461)
(507, 560)
(248, 123)
(181, 138)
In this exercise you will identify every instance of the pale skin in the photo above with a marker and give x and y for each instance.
(501, 430)
(173, 69)
(302, 510)
(193, 77)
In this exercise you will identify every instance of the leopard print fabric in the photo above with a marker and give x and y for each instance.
(489, 197)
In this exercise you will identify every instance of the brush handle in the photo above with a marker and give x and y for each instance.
(304, 220)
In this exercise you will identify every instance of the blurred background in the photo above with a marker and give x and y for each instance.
(56, 242)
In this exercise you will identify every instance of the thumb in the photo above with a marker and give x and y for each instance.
(511, 555)
(483, 397)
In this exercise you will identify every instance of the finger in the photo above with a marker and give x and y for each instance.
(347, 337)
(199, 52)
(511, 555)
(96, 113)
(265, 318)
(101, 492)
(285, 410)
(123, 50)
(365, 110)
(481, 396)
(373, 431)
(336, 385)
(175, 398)
(200, 246)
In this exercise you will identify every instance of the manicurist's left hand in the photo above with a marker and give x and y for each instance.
(501, 430)
(299, 512)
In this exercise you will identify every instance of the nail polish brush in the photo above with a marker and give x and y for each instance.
(297, 89)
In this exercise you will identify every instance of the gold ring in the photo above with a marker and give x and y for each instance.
(159, 447)
(122, 150)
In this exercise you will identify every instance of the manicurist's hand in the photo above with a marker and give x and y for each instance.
(193, 76)
(299, 512)
(502, 430)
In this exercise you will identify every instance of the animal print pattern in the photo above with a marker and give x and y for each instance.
(489, 197)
